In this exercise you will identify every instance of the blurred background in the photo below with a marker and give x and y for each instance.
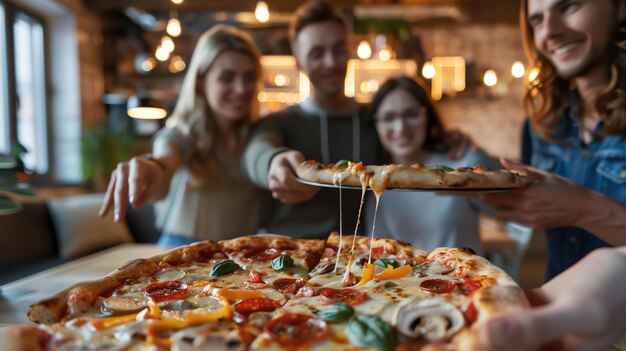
(70, 69)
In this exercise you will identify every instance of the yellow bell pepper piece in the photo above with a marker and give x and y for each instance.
(198, 318)
(234, 295)
(110, 322)
(191, 319)
(394, 273)
(368, 273)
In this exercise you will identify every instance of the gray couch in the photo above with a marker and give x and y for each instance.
(30, 240)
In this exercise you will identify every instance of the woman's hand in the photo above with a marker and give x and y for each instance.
(136, 181)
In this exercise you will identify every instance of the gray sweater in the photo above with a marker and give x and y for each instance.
(320, 136)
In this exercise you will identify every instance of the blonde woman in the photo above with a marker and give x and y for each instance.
(193, 171)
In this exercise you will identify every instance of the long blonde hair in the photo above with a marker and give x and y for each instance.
(548, 95)
(192, 115)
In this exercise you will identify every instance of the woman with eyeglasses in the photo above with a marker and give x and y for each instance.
(411, 132)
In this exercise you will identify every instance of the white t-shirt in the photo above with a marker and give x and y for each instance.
(427, 220)
(228, 208)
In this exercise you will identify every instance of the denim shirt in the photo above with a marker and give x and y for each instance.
(600, 166)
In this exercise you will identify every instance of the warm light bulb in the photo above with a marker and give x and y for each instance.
(385, 53)
(518, 69)
(173, 27)
(490, 78)
(148, 64)
(177, 64)
(533, 73)
(167, 43)
(177, 2)
(262, 12)
(280, 80)
(161, 54)
(428, 71)
(364, 51)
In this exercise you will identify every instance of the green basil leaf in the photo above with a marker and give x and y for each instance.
(441, 167)
(337, 313)
(282, 261)
(371, 332)
(384, 262)
(341, 164)
(223, 268)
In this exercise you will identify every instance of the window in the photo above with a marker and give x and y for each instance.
(5, 145)
(23, 86)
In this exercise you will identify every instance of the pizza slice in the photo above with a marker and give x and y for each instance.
(415, 176)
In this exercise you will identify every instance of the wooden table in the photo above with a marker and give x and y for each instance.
(16, 297)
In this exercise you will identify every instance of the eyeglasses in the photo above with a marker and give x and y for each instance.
(410, 118)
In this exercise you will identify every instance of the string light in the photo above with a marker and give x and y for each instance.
(428, 70)
(385, 53)
(177, 64)
(518, 69)
(173, 27)
(167, 43)
(262, 12)
(490, 78)
(148, 64)
(364, 51)
(177, 2)
(161, 54)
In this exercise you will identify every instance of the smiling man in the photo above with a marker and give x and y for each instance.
(577, 111)
(327, 127)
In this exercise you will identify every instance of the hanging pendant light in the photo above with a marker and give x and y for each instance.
(262, 12)
(173, 28)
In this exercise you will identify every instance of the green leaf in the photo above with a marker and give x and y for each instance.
(441, 167)
(341, 164)
(371, 332)
(384, 262)
(223, 268)
(282, 261)
(337, 313)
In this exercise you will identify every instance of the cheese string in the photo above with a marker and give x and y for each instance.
(340, 178)
(369, 260)
(346, 277)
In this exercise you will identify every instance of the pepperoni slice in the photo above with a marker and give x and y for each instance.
(167, 290)
(470, 285)
(255, 255)
(329, 296)
(470, 313)
(438, 286)
(291, 330)
(258, 304)
(288, 285)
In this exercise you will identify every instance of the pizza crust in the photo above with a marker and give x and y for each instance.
(70, 302)
(416, 176)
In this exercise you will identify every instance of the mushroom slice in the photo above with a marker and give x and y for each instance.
(431, 267)
(192, 339)
(124, 304)
(169, 275)
(434, 319)
(321, 268)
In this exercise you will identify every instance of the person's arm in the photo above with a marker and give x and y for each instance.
(269, 164)
(580, 309)
(554, 201)
(141, 180)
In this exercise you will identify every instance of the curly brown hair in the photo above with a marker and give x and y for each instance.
(547, 96)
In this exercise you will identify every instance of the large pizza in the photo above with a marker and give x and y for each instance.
(272, 292)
